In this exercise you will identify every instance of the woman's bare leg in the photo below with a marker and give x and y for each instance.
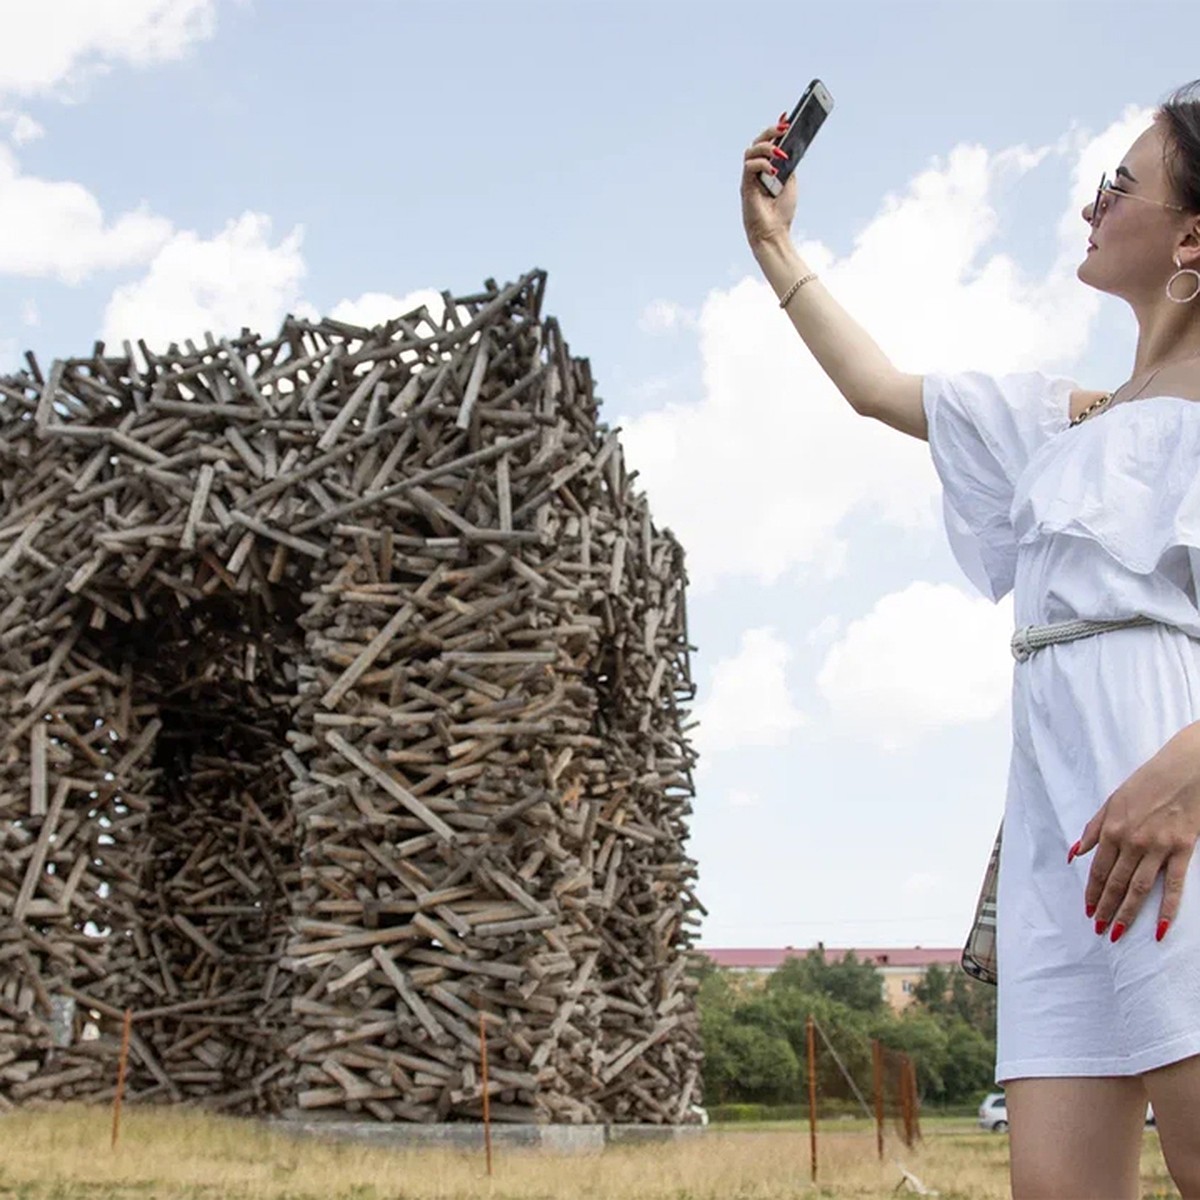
(1076, 1139)
(1175, 1093)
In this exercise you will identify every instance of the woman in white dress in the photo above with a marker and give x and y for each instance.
(1087, 506)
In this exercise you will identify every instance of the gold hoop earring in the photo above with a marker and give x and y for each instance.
(1182, 270)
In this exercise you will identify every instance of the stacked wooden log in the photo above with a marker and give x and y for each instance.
(341, 701)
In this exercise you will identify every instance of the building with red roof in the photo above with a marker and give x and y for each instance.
(900, 966)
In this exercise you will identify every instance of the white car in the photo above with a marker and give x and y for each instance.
(993, 1113)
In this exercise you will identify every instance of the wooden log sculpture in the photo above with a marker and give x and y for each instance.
(341, 686)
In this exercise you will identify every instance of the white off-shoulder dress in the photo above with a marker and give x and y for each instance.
(1098, 521)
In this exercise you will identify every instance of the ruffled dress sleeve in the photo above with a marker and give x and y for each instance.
(983, 431)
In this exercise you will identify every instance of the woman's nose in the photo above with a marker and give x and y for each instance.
(1088, 212)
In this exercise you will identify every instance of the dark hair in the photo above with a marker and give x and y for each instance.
(1180, 115)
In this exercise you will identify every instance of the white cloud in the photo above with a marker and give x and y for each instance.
(922, 659)
(661, 316)
(51, 48)
(29, 314)
(653, 390)
(824, 631)
(740, 798)
(757, 476)
(748, 702)
(235, 279)
(57, 228)
(374, 308)
(54, 46)
(217, 285)
(921, 883)
(24, 128)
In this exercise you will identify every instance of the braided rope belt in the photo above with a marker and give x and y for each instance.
(1033, 637)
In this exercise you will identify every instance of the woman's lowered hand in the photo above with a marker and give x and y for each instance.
(1147, 827)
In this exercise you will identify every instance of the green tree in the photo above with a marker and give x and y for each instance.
(975, 1003)
(952, 993)
(932, 991)
(747, 1063)
(717, 991)
(924, 1039)
(782, 1007)
(970, 1062)
(755, 1031)
(856, 984)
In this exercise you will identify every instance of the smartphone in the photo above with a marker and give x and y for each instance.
(807, 117)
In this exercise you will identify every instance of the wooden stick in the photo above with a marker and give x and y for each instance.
(877, 1082)
(363, 662)
(487, 1112)
(914, 1100)
(391, 786)
(811, 1043)
(37, 773)
(121, 1065)
(478, 370)
(906, 1100)
(37, 860)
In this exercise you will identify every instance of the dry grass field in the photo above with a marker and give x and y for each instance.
(177, 1155)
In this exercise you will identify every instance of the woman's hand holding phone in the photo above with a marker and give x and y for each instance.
(766, 218)
(767, 210)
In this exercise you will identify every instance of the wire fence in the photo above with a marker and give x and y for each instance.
(894, 1098)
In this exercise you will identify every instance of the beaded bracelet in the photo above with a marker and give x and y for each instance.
(796, 287)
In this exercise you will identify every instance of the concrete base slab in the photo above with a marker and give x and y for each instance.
(466, 1135)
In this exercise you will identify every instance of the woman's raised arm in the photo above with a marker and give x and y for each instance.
(864, 375)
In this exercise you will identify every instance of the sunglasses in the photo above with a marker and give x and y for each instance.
(1106, 192)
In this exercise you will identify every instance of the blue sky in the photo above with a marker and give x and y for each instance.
(168, 166)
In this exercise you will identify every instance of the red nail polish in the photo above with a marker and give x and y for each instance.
(1090, 910)
(1117, 930)
(1074, 850)
(1101, 926)
(783, 116)
(775, 150)
(773, 170)
(1161, 933)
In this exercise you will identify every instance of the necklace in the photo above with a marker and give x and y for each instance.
(1106, 401)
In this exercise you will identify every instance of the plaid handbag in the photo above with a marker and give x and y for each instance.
(979, 954)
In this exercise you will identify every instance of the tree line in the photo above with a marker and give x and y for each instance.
(754, 1031)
